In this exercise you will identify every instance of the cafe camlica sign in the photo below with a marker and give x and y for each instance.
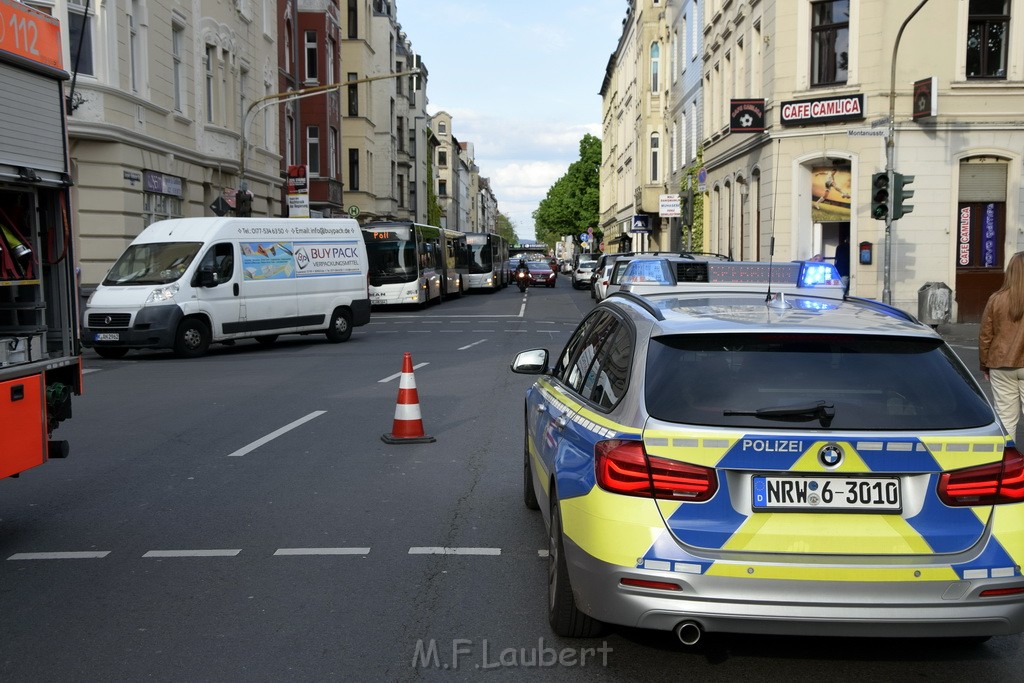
(824, 110)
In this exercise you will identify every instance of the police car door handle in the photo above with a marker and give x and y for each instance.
(541, 408)
(562, 420)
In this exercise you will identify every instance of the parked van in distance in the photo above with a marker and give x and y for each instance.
(185, 283)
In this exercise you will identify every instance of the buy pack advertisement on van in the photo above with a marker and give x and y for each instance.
(186, 283)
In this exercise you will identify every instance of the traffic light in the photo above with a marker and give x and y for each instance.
(880, 196)
(243, 203)
(901, 194)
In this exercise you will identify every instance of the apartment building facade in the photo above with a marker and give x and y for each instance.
(816, 80)
(157, 102)
(651, 118)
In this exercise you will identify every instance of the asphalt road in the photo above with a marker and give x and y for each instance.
(238, 518)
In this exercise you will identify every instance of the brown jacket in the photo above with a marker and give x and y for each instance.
(1000, 340)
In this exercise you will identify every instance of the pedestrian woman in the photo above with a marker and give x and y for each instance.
(1001, 344)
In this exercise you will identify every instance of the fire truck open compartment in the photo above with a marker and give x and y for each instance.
(40, 351)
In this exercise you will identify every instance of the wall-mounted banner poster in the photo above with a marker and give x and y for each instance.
(830, 193)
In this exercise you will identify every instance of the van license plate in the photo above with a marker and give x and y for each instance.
(108, 336)
(817, 494)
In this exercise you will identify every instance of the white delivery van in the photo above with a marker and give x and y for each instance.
(188, 282)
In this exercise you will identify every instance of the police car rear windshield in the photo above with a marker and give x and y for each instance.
(769, 381)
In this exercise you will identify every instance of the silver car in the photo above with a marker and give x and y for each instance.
(756, 452)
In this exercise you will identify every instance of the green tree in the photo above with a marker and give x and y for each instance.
(697, 240)
(506, 228)
(572, 204)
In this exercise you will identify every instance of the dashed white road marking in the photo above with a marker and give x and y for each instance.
(440, 550)
(75, 555)
(398, 374)
(322, 551)
(273, 435)
(216, 552)
(469, 346)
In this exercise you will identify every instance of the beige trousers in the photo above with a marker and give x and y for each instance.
(1008, 396)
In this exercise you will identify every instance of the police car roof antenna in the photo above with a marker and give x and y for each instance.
(771, 244)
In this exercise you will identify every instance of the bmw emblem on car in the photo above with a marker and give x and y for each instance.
(830, 455)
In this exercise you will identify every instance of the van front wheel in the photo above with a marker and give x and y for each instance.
(340, 328)
(193, 338)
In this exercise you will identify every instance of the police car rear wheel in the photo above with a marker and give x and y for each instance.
(564, 617)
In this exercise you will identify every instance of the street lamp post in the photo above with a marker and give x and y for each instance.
(288, 96)
(890, 149)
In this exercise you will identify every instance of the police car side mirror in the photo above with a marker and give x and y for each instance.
(533, 362)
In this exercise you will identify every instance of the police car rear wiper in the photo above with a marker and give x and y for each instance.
(819, 411)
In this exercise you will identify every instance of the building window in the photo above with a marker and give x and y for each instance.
(988, 25)
(830, 42)
(353, 15)
(401, 190)
(442, 157)
(353, 96)
(80, 28)
(655, 63)
(289, 140)
(311, 56)
(331, 51)
(655, 143)
(288, 47)
(210, 61)
(134, 58)
(442, 128)
(442, 188)
(353, 170)
(177, 56)
(332, 152)
(313, 149)
(158, 207)
(401, 133)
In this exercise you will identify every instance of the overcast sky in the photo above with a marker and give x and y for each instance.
(521, 79)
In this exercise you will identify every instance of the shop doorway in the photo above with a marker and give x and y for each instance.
(980, 257)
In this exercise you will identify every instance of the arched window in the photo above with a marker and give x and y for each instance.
(655, 144)
(655, 62)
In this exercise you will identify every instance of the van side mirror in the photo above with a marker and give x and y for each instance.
(208, 276)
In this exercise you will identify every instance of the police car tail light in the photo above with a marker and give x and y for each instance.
(992, 484)
(624, 467)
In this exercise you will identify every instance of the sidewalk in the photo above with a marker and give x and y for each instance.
(960, 334)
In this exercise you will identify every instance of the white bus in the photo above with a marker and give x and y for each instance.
(488, 260)
(412, 263)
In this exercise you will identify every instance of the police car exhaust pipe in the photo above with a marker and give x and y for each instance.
(689, 632)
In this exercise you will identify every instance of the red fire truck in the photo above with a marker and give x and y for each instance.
(40, 352)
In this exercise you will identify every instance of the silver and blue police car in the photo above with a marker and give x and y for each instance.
(740, 447)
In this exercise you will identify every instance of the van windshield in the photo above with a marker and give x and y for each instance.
(152, 264)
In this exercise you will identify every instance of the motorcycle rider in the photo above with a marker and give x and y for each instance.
(522, 274)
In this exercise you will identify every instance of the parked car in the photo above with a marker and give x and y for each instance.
(581, 275)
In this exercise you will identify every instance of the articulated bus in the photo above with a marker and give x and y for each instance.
(412, 263)
(488, 261)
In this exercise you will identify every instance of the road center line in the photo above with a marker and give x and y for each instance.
(223, 552)
(322, 551)
(398, 374)
(76, 555)
(438, 550)
(469, 346)
(273, 435)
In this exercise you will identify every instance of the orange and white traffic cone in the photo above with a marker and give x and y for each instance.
(408, 425)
